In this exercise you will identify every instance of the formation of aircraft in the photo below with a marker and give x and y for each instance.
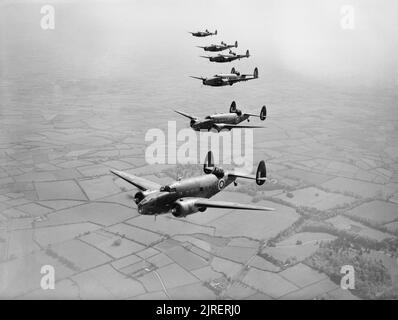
(187, 196)
(219, 47)
(205, 33)
(224, 121)
(191, 195)
(225, 79)
(227, 57)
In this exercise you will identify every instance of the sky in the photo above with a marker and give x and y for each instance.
(126, 56)
(114, 39)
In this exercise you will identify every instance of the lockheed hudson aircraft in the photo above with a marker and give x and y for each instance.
(190, 195)
(227, 57)
(225, 79)
(204, 34)
(224, 121)
(219, 47)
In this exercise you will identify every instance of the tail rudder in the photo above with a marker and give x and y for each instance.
(236, 44)
(247, 54)
(215, 32)
(255, 73)
(232, 108)
(233, 70)
(261, 174)
(263, 113)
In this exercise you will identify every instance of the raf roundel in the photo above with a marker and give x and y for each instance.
(221, 184)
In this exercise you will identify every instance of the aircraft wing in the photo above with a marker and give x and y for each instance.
(233, 126)
(185, 115)
(201, 202)
(140, 183)
(199, 78)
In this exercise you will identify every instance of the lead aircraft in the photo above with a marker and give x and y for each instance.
(190, 195)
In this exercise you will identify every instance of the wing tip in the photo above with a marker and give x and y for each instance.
(115, 172)
(264, 209)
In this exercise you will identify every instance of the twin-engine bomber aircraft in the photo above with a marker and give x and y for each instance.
(225, 79)
(203, 34)
(224, 121)
(190, 195)
(227, 57)
(219, 47)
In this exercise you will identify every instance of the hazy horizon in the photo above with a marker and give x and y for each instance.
(98, 39)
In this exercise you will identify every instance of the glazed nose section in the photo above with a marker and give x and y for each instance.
(144, 205)
(141, 209)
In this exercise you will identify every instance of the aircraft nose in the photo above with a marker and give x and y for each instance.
(144, 205)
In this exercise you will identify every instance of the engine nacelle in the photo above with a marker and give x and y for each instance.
(138, 197)
(183, 208)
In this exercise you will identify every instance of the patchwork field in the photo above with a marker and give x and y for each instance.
(316, 198)
(379, 212)
(74, 108)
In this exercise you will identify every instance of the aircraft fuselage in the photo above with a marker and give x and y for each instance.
(210, 122)
(230, 118)
(217, 48)
(223, 58)
(220, 80)
(204, 186)
(201, 34)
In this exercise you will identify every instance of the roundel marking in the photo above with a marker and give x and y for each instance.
(221, 184)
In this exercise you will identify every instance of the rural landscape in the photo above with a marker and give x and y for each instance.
(69, 114)
(334, 191)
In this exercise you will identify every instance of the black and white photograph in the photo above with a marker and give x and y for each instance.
(198, 150)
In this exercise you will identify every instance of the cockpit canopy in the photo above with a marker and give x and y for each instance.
(167, 189)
